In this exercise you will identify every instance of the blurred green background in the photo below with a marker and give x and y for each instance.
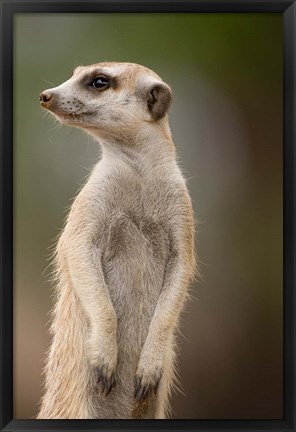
(226, 74)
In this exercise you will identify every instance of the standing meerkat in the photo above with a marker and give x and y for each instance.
(126, 255)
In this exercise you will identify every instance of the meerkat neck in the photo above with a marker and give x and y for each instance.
(149, 147)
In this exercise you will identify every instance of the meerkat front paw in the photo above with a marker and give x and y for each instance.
(105, 378)
(102, 354)
(147, 380)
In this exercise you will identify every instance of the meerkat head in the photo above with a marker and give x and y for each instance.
(109, 98)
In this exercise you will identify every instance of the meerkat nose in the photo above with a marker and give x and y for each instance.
(45, 97)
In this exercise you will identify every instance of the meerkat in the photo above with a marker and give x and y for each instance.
(126, 256)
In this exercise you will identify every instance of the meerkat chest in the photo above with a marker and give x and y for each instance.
(138, 222)
(134, 235)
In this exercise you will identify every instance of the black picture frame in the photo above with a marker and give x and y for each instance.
(11, 7)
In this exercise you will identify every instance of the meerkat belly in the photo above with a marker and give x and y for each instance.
(134, 265)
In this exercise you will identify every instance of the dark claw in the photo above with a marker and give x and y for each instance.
(137, 387)
(103, 383)
(156, 386)
(113, 380)
(139, 393)
(98, 373)
(108, 389)
(146, 389)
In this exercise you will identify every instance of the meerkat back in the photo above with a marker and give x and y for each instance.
(125, 258)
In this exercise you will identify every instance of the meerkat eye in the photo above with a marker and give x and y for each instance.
(100, 82)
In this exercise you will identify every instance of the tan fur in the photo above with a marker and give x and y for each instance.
(125, 258)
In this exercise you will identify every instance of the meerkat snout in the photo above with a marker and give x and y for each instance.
(109, 98)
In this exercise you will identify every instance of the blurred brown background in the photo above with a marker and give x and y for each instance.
(226, 119)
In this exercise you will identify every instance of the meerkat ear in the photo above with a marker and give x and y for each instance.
(159, 100)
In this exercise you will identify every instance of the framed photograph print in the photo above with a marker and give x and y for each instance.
(147, 215)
